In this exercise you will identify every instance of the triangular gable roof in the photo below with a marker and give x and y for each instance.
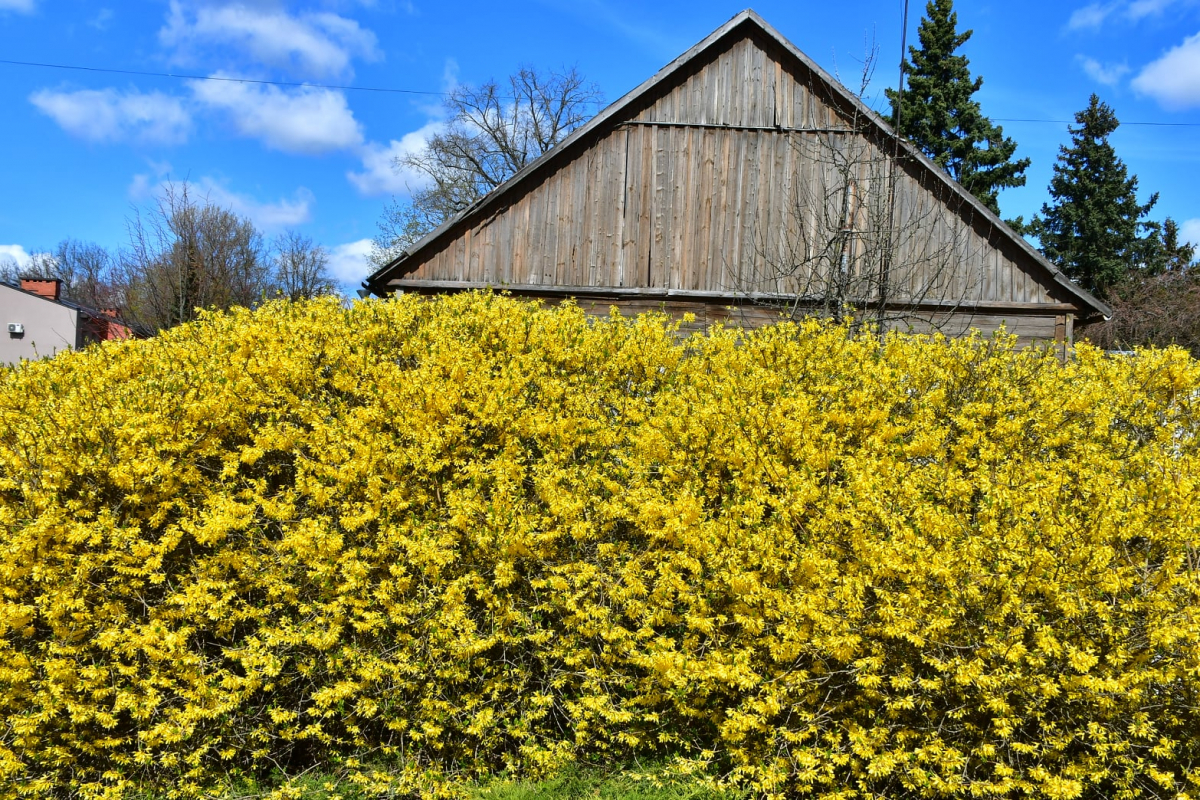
(744, 23)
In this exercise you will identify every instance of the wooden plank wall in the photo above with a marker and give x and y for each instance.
(1030, 326)
(709, 187)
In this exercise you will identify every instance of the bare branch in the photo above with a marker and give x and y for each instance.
(855, 248)
(301, 267)
(188, 254)
(491, 136)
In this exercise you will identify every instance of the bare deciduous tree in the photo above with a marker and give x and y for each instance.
(301, 267)
(493, 132)
(849, 247)
(87, 272)
(11, 271)
(85, 269)
(1152, 311)
(185, 255)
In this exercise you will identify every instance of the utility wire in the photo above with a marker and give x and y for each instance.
(217, 78)
(1122, 122)
(181, 76)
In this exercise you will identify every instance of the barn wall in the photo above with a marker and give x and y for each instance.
(1029, 328)
(723, 182)
(1032, 326)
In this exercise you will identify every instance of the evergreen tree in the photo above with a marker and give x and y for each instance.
(1176, 255)
(1091, 227)
(938, 114)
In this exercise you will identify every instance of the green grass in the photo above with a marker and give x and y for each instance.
(574, 783)
(622, 784)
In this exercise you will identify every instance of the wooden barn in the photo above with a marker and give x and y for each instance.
(741, 182)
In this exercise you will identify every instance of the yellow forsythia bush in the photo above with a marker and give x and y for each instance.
(472, 535)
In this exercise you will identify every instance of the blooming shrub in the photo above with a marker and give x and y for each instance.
(475, 535)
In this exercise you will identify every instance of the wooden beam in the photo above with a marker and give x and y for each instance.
(726, 297)
(722, 127)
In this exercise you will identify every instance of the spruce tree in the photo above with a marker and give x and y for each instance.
(1091, 227)
(939, 115)
(1177, 256)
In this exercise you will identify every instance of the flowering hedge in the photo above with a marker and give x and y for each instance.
(473, 534)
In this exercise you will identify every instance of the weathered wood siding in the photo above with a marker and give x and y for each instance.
(703, 187)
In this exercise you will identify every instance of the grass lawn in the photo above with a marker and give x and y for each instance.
(633, 782)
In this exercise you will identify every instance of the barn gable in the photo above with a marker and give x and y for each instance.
(723, 181)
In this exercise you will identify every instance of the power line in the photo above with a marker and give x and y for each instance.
(180, 76)
(1123, 122)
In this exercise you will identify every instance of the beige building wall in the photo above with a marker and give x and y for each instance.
(48, 326)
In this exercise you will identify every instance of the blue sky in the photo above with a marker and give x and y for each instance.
(81, 149)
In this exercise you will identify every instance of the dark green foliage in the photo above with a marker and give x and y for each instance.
(1092, 228)
(1174, 255)
(940, 116)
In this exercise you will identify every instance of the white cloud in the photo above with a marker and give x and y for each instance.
(17, 253)
(22, 6)
(141, 187)
(1107, 74)
(161, 168)
(102, 19)
(1174, 79)
(315, 44)
(111, 115)
(1145, 8)
(380, 174)
(1092, 15)
(348, 262)
(268, 216)
(306, 121)
(1095, 14)
(1189, 231)
(144, 186)
(282, 213)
